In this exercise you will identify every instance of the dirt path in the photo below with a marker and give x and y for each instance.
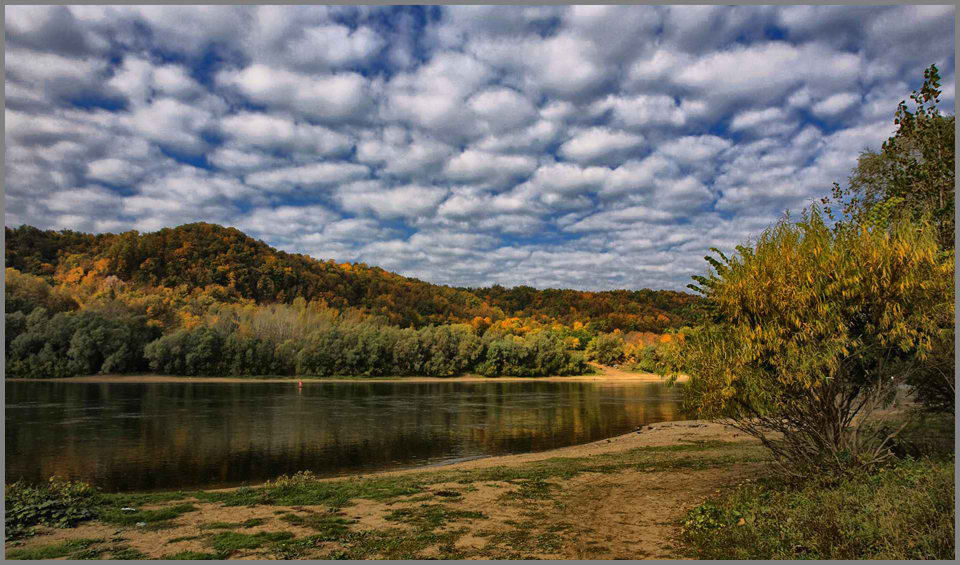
(617, 498)
(606, 374)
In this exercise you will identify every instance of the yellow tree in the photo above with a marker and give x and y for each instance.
(813, 330)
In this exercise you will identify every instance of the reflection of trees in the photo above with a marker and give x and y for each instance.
(142, 436)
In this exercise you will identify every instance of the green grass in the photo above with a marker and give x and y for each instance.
(340, 493)
(159, 516)
(397, 543)
(428, 517)
(251, 523)
(335, 494)
(226, 543)
(903, 511)
(532, 489)
(191, 556)
(125, 554)
(53, 551)
(521, 540)
(183, 538)
(329, 527)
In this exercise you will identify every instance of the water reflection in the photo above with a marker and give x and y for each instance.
(176, 435)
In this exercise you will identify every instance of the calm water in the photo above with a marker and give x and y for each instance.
(126, 436)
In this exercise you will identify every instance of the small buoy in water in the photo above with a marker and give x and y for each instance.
(300, 384)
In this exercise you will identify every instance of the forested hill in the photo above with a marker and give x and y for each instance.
(224, 264)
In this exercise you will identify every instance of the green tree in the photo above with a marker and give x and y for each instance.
(914, 169)
(605, 349)
(813, 331)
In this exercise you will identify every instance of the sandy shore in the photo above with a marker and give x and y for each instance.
(620, 498)
(606, 375)
(661, 434)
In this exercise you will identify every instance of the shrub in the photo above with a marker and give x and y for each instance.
(903, 511)
(813, 331)
(605, 349)
(58, 503)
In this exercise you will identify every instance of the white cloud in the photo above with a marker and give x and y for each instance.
(286, 220)
(399, 154)
(172, 123)
(502, 108)
(693, 149)
(477, 166)
(598, 144)
(757, 119)
(333, 96)
(835, 105)
(276, 132)
(307, 176)
(588, 146)
(642, 110)
(409, 201)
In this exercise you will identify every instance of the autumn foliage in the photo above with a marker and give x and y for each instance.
(201, 299)
(814, 330)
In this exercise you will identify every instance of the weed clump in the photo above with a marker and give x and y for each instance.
(901, 511)
(57, 503)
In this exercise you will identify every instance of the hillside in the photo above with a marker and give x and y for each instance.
(231, 266)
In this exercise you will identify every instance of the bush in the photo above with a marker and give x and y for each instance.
(534, 355)
(648, 360)
(605, 349)
(903, 511)
(58, 503)
(815, 329)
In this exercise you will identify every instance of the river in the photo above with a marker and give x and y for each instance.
(178, 435)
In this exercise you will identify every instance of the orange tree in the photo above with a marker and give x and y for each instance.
(813, 330)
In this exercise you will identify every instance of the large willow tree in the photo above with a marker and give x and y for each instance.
(814, 330)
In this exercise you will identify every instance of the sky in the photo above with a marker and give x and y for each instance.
(584, 147)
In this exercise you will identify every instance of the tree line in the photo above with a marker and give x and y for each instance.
(49, 335)
(226, 265)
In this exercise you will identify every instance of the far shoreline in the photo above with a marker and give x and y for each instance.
(157, 379)
(607, 375)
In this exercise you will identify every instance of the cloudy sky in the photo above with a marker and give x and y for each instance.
(584, 147)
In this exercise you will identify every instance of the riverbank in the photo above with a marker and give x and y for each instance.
(604, 374)
(616, 498)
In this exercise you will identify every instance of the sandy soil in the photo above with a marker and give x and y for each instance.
(631, 513)
(607, 374)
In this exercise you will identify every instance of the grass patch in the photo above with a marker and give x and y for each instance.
(396, 543)
(191, 556)
(311, 492)
(226, 543)
(126, 554)
(183, 538)
(329, 527)
(903, 511)
(139, 500)
(159, 516)
(251, 523)
(522, 540)
(297, 548)
(444, 493)
(428, 517)
(532, 489)
(53, 551)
